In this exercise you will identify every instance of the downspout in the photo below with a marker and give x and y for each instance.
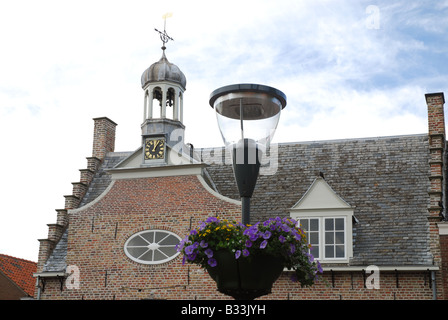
(38, 288)
(434, 288)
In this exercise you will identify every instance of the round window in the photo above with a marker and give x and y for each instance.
(152, 246)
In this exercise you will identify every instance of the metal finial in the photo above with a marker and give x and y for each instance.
(163, 35)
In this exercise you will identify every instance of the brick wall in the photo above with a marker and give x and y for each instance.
(98, 234)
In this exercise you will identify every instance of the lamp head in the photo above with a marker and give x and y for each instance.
(247, 111)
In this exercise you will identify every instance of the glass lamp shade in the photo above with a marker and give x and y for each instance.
(247, 111)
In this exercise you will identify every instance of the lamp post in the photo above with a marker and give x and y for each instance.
(247, 116)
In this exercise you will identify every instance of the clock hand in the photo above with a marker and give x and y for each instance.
(155, 145)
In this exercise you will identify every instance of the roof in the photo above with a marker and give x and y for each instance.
(163, 70)
(19, 271)
(385, 179)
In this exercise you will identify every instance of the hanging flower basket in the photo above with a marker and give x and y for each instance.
(245, 279)
(245, 261)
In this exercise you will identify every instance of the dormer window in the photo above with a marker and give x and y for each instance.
(327, 220)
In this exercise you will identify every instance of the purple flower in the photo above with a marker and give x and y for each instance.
(310, 257)
(246, 252)
(281, 239)
(193, 232)
(263, 244)
(208, 253)
(237, 254)
(253, 236)
(203, 244)
(189, 250)
(192, 256)
(211, 219)
(292, 248)
(267, 235)
(212, 262)
(248, 243)
(251, 233)
(319, 267)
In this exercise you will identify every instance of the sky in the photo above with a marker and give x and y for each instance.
(349, 69)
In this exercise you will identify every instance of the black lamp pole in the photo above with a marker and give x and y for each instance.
(246, 167)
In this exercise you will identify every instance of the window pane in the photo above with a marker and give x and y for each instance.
(169, 241)
(148, 256)
(138, 242)
(169, 251)
(314, 224)
(149, 236)
(158, 255)
(329, 224)
(329, 251)
(315, 251)
(137, 252)
(158, 236)
(339, 237)
(340, 252)
(339, 224)
(313, 238)
(329, 237)
(304, 224)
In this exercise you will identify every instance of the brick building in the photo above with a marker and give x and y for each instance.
(115, 237)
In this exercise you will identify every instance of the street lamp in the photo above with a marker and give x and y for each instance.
(247, 117)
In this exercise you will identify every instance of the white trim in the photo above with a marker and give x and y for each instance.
(216, 194)
(154, 172)
(443, 228)
(312, 198)
(96, 200)
(49, 274)
(382, 268)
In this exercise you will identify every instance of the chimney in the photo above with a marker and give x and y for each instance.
(436, 131)
(436, 119)
(103, 137)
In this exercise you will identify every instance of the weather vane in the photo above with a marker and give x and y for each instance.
(163, 35)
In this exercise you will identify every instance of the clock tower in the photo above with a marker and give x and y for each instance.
(163, 84)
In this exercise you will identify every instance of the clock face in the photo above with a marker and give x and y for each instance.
(154, 149)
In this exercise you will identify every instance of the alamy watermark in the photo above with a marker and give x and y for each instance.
(267, 154)
(373, 17)
(373, 280)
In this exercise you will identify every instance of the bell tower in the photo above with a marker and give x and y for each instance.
(164, 85)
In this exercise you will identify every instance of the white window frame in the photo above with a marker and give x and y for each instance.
(348, 234)
(151, 247)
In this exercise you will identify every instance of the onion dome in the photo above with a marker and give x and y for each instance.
(163, 70)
